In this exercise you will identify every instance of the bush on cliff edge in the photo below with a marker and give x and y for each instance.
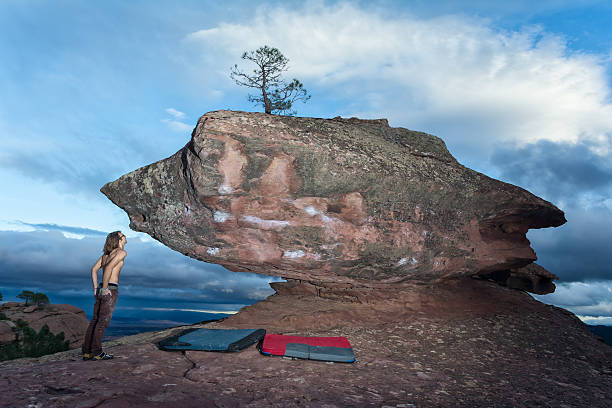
(34, 344)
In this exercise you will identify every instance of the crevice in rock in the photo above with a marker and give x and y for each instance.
(193, 365)
(49, 389)
(428, 156)
(101, 402)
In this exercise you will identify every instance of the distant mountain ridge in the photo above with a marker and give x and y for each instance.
(605, 332)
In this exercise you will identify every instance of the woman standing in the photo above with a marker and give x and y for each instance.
(105, 294)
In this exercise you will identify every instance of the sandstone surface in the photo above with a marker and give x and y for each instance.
(332, 201)
(59, 317)
(467, 343)
(7, 332)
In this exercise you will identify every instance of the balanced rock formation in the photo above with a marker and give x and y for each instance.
(344, 201)
(58, 317)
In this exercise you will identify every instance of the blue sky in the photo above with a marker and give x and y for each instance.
(90, 91)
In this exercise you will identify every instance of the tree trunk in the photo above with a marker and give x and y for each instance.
(267, 104)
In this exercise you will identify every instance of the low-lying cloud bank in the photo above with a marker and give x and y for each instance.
(156, 277)
(49, 262)
(591, 300)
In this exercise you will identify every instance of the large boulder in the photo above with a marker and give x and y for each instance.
(330, 201)
(58, 317)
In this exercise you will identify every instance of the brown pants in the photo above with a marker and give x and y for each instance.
(103, 311)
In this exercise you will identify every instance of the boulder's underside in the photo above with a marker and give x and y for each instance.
(334, 201)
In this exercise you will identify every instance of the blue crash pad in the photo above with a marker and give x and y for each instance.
(227, 340)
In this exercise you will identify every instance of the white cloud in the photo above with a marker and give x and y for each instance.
(591, 299)
(175, 113)
(177, 126)
(175, 123)
(6, 225)
(452, 75)
(596, 320)
(152, 271)
(216, 93)
(166, 309)
(71, 235)
(599, 309)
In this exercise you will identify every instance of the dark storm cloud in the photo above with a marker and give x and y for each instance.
(580, 249)
(579, 181)
(558, 171)
(48, 261)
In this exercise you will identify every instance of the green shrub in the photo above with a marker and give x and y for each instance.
(42, 343)
(21, 324)
(3, 316)
(34, 344)
(11, 351)
(40, 299)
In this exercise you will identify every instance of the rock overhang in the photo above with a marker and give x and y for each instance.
(330, 200)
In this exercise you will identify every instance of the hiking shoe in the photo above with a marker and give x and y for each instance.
(102, 356)
(87, 356)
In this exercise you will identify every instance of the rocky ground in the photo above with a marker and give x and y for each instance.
(452, 351)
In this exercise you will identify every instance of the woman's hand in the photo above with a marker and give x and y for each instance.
(95, 292)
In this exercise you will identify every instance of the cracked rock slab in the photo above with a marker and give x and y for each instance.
(517, 353)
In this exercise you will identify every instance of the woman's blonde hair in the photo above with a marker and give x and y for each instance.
(112, 242)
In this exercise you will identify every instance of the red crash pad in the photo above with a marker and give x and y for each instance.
(275, 344)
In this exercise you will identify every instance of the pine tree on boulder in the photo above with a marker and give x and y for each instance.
(277, 96)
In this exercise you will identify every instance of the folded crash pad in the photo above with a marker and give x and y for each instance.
(336, 349)
(227, 340)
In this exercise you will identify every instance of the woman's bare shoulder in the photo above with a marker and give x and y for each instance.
(117, 253)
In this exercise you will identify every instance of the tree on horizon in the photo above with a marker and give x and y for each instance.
(27, 295)
(40, 299)
(277, 96)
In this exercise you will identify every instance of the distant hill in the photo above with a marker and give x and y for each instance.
(604, 332)
(128, 326)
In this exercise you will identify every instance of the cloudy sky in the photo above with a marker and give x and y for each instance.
(90, 91)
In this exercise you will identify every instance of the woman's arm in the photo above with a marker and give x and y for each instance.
(94, 274)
